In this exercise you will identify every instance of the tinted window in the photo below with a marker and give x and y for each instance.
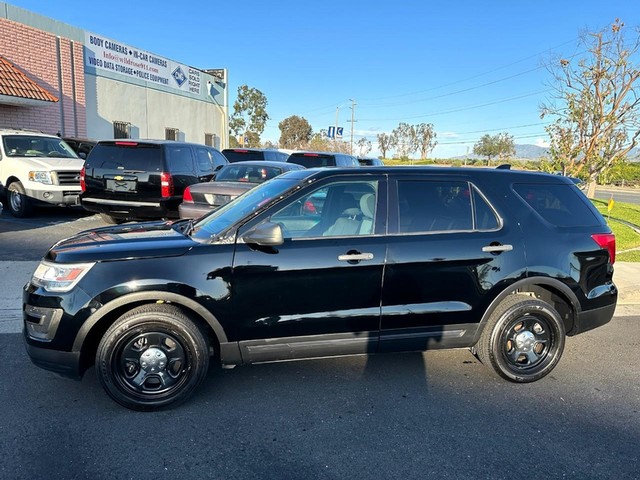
(179, 158)
(485, 216)
(204, 160)
(218, 158)
(241, 154)
(428, 206)
(130, 156)
(312, 160)
(275, 156)
(560, 205)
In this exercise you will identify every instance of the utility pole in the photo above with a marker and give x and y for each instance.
(353, 112)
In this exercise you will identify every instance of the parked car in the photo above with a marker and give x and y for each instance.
(37, 169)
(246, 154)
(398, 259)
(82, 146)
(229, 182)
(143, 179)
(323, 159)
(370, 162)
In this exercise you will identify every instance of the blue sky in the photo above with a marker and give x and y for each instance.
(468, 67)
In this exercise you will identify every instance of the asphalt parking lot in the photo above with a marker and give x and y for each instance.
(441, 414)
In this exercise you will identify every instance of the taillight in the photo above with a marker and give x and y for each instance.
(187, 195)
(166, 184)
(83, 185)
(608, 241)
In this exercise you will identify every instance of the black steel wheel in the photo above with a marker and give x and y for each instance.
(17, 200)
(523, 339)
(152, 357)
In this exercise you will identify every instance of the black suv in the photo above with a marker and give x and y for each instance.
(328, 262)
(143, 179)
(323, 159)
(247, 154)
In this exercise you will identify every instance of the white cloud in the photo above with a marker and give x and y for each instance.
(541, 142)
(448, 135)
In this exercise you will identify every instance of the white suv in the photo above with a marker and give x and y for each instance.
(37, 169)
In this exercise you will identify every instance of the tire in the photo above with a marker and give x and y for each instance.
(111, 220)
(17, 201)
(152, 357)
(523, 339)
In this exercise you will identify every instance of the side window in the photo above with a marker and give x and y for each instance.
(204, 160)
(218, 158)
(335, 210)
(179, 158)
(434, 206)
(559, 204)
(486, 218)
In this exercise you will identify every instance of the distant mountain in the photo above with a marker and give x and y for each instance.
(534, 152)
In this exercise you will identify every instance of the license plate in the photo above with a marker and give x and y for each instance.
(121, 185)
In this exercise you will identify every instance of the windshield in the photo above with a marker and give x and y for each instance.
(219, 220)
(36, 146)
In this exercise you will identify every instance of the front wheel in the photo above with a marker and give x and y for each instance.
(152, 357)
(523, 339)
(17, 200)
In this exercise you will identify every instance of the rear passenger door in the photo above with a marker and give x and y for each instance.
(449, 250)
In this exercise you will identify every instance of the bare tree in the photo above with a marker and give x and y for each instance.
(595, 103)
(385, 143)
(404, 140)
(364, 146)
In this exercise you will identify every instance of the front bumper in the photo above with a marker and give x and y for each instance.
(55, 197)
(66, 364)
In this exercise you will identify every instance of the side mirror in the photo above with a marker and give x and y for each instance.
(267, 234)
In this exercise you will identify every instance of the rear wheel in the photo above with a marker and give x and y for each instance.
(152, 357)
(17, 201)
(523, 339)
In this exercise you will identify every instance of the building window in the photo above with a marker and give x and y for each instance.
(171, 133)
(210, 139)
(121, 130)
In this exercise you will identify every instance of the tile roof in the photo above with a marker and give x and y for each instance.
(14, 83)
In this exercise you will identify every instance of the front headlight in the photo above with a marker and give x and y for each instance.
(41, 177)
(59, 277)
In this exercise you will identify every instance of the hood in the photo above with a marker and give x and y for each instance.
(131, 241)
(53, 163)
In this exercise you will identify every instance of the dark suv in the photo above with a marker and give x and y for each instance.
(328, 262)
(143, 179)
(323, 159)
(247, 154)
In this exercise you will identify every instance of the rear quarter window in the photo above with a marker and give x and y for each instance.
(179, 158)
(558, 204)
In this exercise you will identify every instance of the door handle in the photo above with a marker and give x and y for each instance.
(497, 248)
(355, 257)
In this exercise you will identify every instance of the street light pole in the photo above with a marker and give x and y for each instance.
(353, 111)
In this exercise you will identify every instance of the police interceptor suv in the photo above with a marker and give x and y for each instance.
(325, 262)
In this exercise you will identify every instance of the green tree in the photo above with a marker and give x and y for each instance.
(385, 143)
(404, 140)
(595, 103)
(249, 115)
(490, 146)
(426, 138)
(295, 132)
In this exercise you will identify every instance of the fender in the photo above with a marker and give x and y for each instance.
(548, 281)
(227, 351)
